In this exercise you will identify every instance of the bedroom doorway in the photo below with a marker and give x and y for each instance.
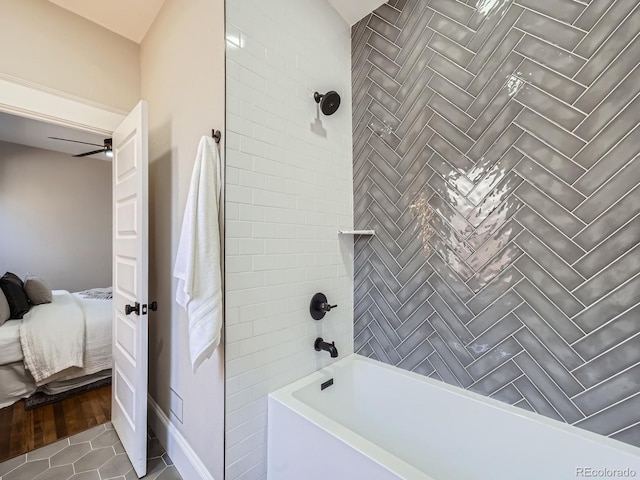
(129, 259)
(56, 215)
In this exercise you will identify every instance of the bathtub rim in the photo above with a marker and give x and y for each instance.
(286, 397)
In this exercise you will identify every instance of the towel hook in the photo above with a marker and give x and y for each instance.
(217, 135)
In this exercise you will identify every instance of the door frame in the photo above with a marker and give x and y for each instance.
(21, 98)
(25, 99)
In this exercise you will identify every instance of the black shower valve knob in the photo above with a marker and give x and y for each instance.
(325, 307)
(319, 306)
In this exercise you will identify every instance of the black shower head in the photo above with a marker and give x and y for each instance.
(329, 102)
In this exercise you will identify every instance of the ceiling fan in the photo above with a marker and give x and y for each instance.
(106, 147)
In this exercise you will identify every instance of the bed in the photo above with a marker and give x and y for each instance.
(31, 348)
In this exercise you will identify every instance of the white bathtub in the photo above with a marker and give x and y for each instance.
(377, 422)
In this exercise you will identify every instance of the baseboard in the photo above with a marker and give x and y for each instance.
(187, 462)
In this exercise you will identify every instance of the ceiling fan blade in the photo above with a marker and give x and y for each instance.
(102, 150)
(75, 141)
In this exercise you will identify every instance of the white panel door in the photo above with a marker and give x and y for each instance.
(130, 282)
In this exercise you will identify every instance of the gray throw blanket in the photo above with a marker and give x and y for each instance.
(98, 293)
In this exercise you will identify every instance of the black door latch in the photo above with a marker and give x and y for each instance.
(128, 309)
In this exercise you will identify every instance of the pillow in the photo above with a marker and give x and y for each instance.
(13, 289)
(5, 311)
(37, 290)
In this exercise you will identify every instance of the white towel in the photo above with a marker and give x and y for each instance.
(197, 266)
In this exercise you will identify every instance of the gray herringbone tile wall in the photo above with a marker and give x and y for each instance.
(496, 152)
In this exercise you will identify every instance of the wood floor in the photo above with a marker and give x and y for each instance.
(23, 431)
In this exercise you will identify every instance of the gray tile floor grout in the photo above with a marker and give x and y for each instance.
(95, 454)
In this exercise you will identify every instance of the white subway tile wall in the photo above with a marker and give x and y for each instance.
(288, 191)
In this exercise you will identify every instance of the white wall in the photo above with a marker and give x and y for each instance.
(288, 192)
(52, 47)
(55, 217)
(182, 65)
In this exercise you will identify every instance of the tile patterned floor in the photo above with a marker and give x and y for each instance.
(95, 454)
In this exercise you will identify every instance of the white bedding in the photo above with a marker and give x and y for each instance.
(97, 356)
(97, 338)
(53, 337)
(15, 383)
(10, 349)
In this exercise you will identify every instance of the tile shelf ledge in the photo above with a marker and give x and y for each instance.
(356, 232)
